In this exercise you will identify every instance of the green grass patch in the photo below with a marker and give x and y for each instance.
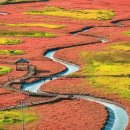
(11, 52)
(4, 70)
(52, 26)
(112, 85)
(109, 69)
(14, 117)
(75, 14)
(127, 33)
(26, 34)
(3, 2)
(121, 46)
(9, 41)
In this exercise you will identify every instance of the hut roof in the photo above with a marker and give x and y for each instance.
(22, 61)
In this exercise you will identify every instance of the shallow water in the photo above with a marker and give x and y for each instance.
(118, 117)
(34, 86)
(3, 13)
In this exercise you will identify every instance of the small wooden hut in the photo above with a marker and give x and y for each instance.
(22, 64)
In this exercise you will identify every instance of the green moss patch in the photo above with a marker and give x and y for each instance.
(26, 34)
(11, 52)
(109, 69)
(75, 14)
(3, 2)
(14, 117)
(4, 70)
(52, 26)
(127, 33)
(9, 41)
(112, 85)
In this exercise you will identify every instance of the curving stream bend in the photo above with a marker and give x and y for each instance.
(118, 117)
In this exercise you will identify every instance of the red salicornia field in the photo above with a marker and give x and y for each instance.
(91, 34)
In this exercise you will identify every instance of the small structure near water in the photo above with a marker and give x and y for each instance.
(22, 64)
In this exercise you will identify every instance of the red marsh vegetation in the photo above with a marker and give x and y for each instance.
(60, 115)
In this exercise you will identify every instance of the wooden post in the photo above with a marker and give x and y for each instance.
(22, 105)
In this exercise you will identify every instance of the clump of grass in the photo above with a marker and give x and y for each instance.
(26, 34)
(121, 46)
(112, 85)
(109, 69)
(127, 33)
(9, 41)
(14, 117)
(52, 26)
(3, 2)
(4, 70)
(11, 52)
(75, 14)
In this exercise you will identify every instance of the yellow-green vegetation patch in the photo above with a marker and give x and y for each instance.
(3, 1)
(11, 52)
(121, 46)
(75, 14)
(52, 26)
(127, 33)
(26, 34)
(9, 41)
(112, 85)
(15, 117)
(4, 70)
(109, 69)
